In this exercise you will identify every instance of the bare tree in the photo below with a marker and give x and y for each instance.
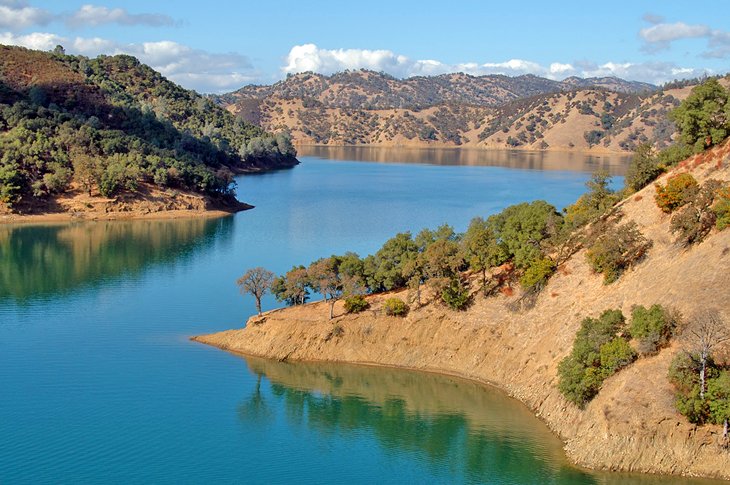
(256, 281)
(707, 331)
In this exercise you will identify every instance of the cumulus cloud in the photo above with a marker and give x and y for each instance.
(193, 68)
(92, 16)
(309, 57)
(660, 36)
(16, 15)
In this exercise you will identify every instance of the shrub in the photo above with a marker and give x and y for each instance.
(597, 354)
(680, 189)
(722, 208)
(356, 304)
(652, 327)
(537, 275)
(456, 294)
(718, 396)
(617, 250)
(695, 220)
(616, 355)
(395, 307)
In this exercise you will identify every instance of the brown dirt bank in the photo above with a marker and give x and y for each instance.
(148, 203)
(631, 425)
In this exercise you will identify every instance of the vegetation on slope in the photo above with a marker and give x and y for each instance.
(108, 125)
(527, 242)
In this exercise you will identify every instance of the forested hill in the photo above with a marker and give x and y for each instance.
(111, 125)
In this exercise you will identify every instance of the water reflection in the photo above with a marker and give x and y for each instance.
(472, 433)
(452, 424)
(615, 164)
(44, 260)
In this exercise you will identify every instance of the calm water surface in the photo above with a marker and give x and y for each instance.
(98, 382)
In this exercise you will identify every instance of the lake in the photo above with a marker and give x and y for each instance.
(99, 382)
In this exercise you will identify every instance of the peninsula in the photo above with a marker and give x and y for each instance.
(517, 344)
(109, 137)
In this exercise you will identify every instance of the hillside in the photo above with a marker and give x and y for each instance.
(631, 425)
(525, 112)
(112, 128)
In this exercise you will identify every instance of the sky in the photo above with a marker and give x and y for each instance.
(220, 46)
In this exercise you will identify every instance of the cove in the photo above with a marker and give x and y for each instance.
(99, 382)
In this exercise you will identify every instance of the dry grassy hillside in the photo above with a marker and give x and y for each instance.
(631, 425)
(575, 115)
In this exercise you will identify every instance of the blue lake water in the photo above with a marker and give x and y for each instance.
(99, 383)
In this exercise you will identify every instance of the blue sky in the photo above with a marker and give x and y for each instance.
(219, 46)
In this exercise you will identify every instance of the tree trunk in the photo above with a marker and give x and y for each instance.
(258, 305)
(332, 308)
(703, 372)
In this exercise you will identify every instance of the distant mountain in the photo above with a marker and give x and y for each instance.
(523, 112)
(112, 126)
(365, 89)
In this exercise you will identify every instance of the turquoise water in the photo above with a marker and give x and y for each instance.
(99, 383)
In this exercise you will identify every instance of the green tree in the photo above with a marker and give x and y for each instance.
(653, 327)
(703, 119)
(256, 282)
(481, 248)
(523, 229)
(718, 394)
(384, 271)
(643, 168)
(325, 277)
(293, 287)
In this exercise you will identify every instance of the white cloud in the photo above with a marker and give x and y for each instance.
(16, 15)
(192, 68)
(37, 40)
(309, 57)
(92, 16)
(557, 68)
(660, 36)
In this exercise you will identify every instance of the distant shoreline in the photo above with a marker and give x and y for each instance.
(44, 218)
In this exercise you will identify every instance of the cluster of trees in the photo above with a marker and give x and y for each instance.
(603, 346)
(125, 125)
(531, 237)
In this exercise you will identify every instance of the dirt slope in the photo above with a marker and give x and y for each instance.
(631, 425)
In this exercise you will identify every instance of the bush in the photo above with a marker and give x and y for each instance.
(652, 327)
(722, 208)
(395, 307)
(456, 294)
(696, 219)
(616, 355)
(718, 396)
(680, 189)
(617, 250)
(356, 304)
(597, 354)
(537, 275)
